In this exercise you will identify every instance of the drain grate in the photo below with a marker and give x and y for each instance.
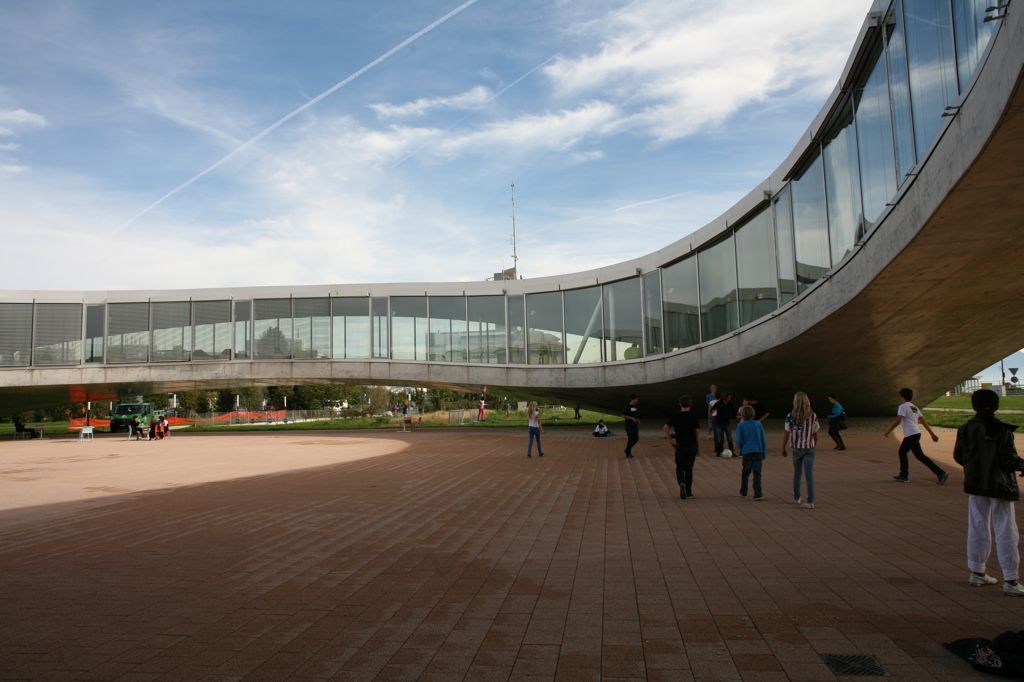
(854, 665)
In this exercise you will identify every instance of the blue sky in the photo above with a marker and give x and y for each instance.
(625, 126)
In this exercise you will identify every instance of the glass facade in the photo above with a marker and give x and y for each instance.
(755, 261)
(583, 324)
(623, 321)
(907, 75)
(681, 304)
(351, 328)
(544, 344)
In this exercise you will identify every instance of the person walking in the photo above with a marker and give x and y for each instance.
(751, 444)
(683, 433)
(836, 422)
(711, 398)
(722, 413)
(910, 416)
(802, 435)
(985, 449)
(481, 404)
(630, 414)
(533, 415)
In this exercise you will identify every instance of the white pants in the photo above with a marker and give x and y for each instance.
(983, 513)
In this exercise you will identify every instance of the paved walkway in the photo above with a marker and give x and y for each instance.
(447, 555)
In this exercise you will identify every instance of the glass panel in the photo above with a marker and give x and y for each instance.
(172, 331)
(516, 329)
(842, 185)
(95, 320)
(652, 312)
(719, 312)
(128, 332)
(15, 334)
(681, 304)
(755, 254)
(972, 35)
(243, 330)
(623, 321)
(351, 328)
(874, 140)
(272, 329)
(448, 329)
(544, 313)
(583, 325)
(409, 327)
(312, 328)
(899, 91)
(932, 62)
(810, 225)
(58, 335)
(786, 261)
(487, 339)
(379, 325)
(212, 320)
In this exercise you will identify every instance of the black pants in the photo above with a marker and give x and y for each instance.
(685, 456)
(913, 444)
(632, 436)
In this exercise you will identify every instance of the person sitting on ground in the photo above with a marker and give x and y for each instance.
(154, 428)
(601, 430)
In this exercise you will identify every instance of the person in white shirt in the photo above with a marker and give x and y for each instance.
(909, 416)
(601, 430)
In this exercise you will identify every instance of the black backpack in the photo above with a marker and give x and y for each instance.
(1003, 656)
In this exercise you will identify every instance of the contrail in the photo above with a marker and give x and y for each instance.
(298, 111)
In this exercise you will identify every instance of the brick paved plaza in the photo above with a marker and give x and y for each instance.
(447, 555)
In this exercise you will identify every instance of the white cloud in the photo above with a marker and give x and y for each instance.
(13, 121)
(473, 98)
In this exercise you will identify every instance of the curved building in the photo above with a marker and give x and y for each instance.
(885, 251)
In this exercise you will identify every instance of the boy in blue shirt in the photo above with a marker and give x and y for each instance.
(751, 443)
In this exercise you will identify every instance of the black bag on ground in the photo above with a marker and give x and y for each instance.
(1003, 656)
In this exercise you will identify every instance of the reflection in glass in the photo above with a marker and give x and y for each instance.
(212, 320)
(379, 325)
(127, 332)
(351, 322)
(172, 331)
(583, 325)
(448, 329)
(719, 313)
(652, 313)
(312, 328)
(409, 327)
(58, 334)
(243, 330)
(517, 329)
(810, 225)
(681, 304)
(842, 185)
(874, 139)
(972, 35)
(755, 256)
(899, 91)
(487, 337)
(786, 261)
(95, 320)
(544, 341)
(623, 321)
(932, 61)
(272, 328)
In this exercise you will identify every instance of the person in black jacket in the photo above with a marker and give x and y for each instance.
(984, 448)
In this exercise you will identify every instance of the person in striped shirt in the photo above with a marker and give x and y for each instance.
(802, 436)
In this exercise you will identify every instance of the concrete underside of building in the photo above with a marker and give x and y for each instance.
(928, 298)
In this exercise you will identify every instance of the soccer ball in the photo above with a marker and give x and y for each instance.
(727, 453)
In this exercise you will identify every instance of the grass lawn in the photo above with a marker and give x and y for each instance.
(963, 402)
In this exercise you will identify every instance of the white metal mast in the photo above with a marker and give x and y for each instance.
(515, 255)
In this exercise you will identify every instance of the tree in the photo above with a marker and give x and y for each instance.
(277, 394)
(225, 400)
(378, 397)
(251, 398)
(159, 401)
(198, 401)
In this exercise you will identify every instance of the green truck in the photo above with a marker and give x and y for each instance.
(121, 417)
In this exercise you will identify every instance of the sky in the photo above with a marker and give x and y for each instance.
(183, 145)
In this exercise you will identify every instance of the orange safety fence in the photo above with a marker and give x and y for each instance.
(240, 415)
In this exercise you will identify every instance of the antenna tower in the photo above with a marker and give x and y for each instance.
(515, 255)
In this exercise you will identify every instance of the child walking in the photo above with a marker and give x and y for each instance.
(909, 416)
(751, 443)
(802, 435)
(985, 449)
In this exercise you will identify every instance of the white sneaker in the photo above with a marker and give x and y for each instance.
(1013, 590)
(979, 580)
(807, 505)
(799, 500)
